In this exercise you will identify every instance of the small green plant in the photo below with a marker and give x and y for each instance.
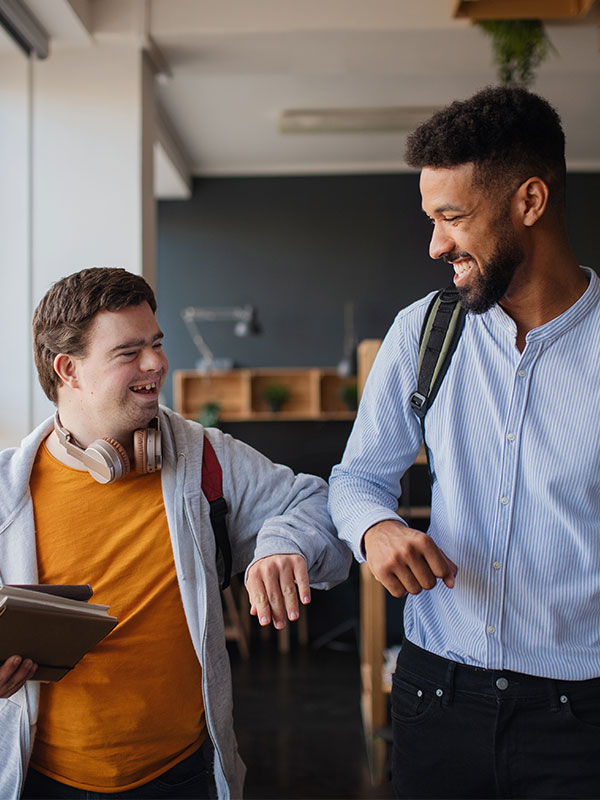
(349, 395)
(209, 415)
(276, 394)
(520, 46)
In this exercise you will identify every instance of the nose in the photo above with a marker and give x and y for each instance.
(152, 360)
(441, 242)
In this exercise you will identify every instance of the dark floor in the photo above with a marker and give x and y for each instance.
(298, 722)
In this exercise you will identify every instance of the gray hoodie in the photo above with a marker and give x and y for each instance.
(271, 511)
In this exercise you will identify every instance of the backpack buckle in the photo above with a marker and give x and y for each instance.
(418, 403)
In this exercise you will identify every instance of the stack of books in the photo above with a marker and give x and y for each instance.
(54, 626)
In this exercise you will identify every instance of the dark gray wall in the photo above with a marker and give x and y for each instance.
(298, 248)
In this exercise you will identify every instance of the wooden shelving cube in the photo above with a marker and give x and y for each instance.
(314, 393)
(332, 386)
(303, 384)
(231, 390)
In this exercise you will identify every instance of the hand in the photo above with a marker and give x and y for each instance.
(14, 673)
(274, 584)
(405, 560)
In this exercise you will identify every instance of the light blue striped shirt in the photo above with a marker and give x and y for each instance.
(515, 448)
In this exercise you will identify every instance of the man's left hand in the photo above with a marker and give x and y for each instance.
(274, 585)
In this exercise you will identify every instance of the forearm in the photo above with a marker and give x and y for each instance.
(357, 504)
(272, 511)
(386, 437)
(306, 528)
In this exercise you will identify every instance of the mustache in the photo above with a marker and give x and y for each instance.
(455, 255)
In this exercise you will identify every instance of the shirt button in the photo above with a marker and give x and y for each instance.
(511, 437)
(521, 373)
(496, 565)
(502, 683)
(491, 629)
(504, 501)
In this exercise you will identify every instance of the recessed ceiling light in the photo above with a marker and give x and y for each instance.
(383, 119)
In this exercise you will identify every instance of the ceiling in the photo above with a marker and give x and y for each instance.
(232, 66)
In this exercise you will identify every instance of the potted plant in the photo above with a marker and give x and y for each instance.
(349, 395)
(520, 46)
(276, 394)
(209, 415)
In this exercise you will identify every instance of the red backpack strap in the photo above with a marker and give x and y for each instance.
(212, 486)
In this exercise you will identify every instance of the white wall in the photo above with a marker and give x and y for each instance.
(14, 246)
(91, 166)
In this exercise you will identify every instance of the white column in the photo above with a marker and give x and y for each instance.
(93, 203)
(15, 242)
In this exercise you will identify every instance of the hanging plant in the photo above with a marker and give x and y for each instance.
(520, 46)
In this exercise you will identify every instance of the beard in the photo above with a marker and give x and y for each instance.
(489, 288)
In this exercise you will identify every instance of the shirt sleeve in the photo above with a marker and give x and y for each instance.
(386, 437)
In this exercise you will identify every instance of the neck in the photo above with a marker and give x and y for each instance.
(84, 434)
(543, 289)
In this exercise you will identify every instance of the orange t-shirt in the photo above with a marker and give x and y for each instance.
(132, 708)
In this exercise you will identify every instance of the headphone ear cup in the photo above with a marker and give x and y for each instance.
(139, 451)
(112, 454)
(147, 450)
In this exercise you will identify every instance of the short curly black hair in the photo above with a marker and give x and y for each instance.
(509, 134)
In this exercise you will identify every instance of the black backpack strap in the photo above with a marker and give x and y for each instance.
(212, 486)
(440, 333)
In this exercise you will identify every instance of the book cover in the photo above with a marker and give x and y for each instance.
(53, 631)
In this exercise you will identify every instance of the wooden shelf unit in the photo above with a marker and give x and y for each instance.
(374, 692)
(314, 393)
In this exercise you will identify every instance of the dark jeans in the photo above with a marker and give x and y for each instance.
(191, 779)
(464, 732)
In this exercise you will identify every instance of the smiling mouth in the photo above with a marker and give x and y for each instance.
(145, 388)
(463, 266)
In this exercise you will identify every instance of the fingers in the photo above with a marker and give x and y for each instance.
(405, 560)
(14, 673)
(274, 585)
(302, 580)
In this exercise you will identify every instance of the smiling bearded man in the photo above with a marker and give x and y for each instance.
(497, 690)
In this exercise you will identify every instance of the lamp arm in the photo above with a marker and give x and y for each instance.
(192, 313)
(198, 340)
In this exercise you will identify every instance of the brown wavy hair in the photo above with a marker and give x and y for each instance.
(64, 315)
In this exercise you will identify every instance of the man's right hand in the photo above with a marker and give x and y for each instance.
(405, 560)
(14, 673)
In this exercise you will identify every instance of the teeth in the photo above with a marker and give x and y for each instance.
(148, 387)
(460, 267)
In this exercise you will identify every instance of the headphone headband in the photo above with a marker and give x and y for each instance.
(106, 459)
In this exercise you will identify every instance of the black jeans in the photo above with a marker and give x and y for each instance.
(465, 732)
(191, 779)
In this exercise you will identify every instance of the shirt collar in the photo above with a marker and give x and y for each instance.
(559, 325)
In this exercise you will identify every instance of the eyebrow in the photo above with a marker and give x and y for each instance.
(447, 207)
(132, 343)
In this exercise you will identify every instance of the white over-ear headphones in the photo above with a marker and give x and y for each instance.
(106, 459)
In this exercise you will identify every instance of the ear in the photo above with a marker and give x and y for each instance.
(65, 367)
(532, 200)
